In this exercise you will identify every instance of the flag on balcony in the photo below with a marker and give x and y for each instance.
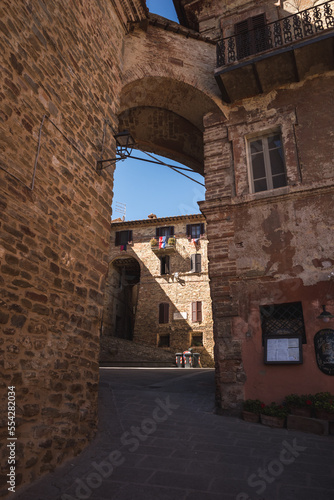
(162, 241)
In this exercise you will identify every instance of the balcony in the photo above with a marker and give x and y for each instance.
(163, 248)
(278, 53)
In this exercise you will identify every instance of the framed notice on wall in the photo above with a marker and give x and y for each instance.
(283, 349)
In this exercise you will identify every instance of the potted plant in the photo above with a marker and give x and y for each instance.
(171, 241)
(274, 415)
(252, 409)
(154, 242)
(301, 405)
(324, 406)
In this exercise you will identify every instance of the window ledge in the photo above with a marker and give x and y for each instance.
(270, 193)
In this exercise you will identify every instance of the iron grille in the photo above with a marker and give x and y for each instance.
(283, 319)
(260, 37)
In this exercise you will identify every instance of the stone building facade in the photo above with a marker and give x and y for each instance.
(268, 161)
(158, 292)
(73, 74)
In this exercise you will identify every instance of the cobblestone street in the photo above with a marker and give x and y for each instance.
(159, 438)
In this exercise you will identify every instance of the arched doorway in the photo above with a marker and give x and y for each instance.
(121, 297)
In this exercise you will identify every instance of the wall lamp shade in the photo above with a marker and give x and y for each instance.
(124, 145)
(325, 315)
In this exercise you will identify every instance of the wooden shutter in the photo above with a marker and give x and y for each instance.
(164, 264)
(167, 271)
(171, 231)
(193, 263)
(129, 236)
(164, 312)
(199, 311)
(117, 238)
(189, 226)
(202, 231)
(161, 312)
(194, 311)
(250, 37)
(157, 232)
(198, 263)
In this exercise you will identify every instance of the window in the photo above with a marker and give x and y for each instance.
(283, 319)
(197, 339)
(196, 263)
(123, 238)
(195, 231)
(267, 167)
(163, 312)
(251, 36)
(196, 311)
(164, 264)
(164, 231)
(164, 341)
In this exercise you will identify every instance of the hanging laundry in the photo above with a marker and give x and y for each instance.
(123, 248)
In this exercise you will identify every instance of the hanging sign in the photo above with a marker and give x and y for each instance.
(324, 350)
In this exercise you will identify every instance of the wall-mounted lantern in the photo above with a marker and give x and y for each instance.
(124, 146)
(325, 315)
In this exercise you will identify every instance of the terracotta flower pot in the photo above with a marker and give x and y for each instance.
(302, 412)
(248, 416)
(271, 421)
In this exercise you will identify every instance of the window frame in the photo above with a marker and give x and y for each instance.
(196, 263)
(118, 237)
(250, 30)
(164, 313)
(164, 262)
(161, 338)
(189, 228)
(196, 311)
(161, 229)
(263, 136)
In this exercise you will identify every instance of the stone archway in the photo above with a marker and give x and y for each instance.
(165, 116)
(121, 293)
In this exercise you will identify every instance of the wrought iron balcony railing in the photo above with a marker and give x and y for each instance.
(280, 33)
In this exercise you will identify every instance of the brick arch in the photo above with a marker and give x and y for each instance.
(165, 116)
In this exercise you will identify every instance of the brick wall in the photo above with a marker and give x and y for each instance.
(270, 247)
(63, 60)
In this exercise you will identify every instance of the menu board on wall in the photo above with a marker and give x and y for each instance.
(324, 350)
(283, 349)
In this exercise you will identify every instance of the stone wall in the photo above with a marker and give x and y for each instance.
(179, 291)
(61, 77)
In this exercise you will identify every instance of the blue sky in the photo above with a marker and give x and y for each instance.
(145, 188)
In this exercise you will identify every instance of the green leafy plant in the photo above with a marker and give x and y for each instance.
(253, 406)
(324, 401)
(154, 242)
(275, 410)
(299, 401)
(171, 241)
